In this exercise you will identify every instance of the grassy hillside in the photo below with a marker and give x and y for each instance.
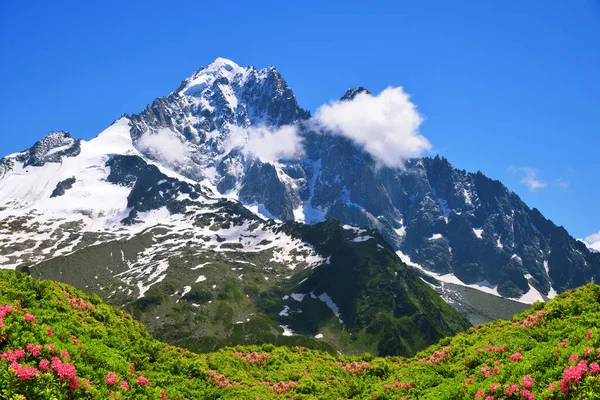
(57, 343)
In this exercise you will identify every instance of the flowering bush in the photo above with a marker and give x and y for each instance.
(56, 342)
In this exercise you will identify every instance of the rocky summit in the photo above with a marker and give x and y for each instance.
(455, 226)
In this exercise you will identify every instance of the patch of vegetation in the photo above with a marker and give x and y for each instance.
(58, 343)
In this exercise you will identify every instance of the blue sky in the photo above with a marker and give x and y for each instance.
(509, 88)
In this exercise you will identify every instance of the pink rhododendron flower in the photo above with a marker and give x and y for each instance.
(142, 381)
(527, 381)
(23, 372)
(44, 364)
(516, 357)
(124, 385)
(34, 350)
(526, 394)
(111, 378)
(29, 318)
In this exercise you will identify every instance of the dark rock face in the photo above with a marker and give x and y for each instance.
(52, 148)
(6, 165)
(150, 188)
(62, 187)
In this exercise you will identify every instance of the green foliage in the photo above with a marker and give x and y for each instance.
(556, 344)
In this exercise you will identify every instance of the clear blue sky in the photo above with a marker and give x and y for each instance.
(502, 84)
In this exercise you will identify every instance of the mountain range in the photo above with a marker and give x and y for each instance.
(224, 213)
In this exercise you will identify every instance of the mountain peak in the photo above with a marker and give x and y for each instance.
(50, 149)
(352, 92)
(222, 63)
(207, 76)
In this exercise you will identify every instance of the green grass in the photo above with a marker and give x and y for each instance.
(550, 339)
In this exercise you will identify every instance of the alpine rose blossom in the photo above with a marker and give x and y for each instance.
(527, 381)
(29, 318)
(516, 357)
(111, 378)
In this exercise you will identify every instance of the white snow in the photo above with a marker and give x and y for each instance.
(201, 278)
(286, 330)
(444, 208)
(284, 312)
(401, 232)
(528, 298)
(478, 232)
(319, 336)
(435, 236)
(298, 296)
(186, 290)
(531, 296)
(360, 239)
(324, 297)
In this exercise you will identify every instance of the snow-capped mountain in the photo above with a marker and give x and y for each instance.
(149, 215)
(455, 226)
(198, 269)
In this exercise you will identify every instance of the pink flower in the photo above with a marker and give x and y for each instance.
(480, 394)
(24, 373)
(65, 354)
(526, 394)
(111, 378)
(44, 365)
(49, 332)
(50, 347)
(574, 357)
(29, 318)
(142, 381)
(34, 350)
(124, 385)
(588, 335)
(572, 375)
(594, 368)
(494, 386)
(5, 310)
(511, 389)
(527, 381)
(163, 395)
(516, 357)
(485, 371)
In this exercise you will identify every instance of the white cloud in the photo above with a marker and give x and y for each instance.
(530, 178)
(562, 184)
(593, 241)
(267, 143)
(385, 125)
(164, 145)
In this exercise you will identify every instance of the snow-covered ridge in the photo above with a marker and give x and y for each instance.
(530, 297)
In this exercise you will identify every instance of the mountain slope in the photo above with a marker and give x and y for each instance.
(202, 271)
(461, 226)
(59, 343)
